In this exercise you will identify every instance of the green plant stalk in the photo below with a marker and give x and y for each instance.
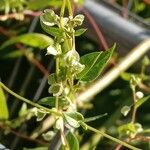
(57, 74)
(134, 108)
(27, 101)
(112, 138)
(62, 8)
(61, 25)
(69, 8)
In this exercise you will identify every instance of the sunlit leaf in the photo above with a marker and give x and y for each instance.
(94, 64)
(4, 114)
(38, 40)
(39, 4)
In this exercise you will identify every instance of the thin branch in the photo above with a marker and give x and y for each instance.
(144, 87)
(24, 136)
(34, 60)
(16, 15)
(134, 108)
(100, 35)
(27, 101)
(112, 138)
(136, 138)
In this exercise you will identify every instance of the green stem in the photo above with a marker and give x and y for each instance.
(134, 108)
(69, 8)
(26, 100)
(112, 138)
(62, 11)
(61, 23)
(57, 75)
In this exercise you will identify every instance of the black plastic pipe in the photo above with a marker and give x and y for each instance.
(115, 27)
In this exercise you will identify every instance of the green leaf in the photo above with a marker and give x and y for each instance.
(73, 118)
(72, 141)
(38, 40)
(23, 110)
(39, 4)
(37, 148)
(94, 118)
(127, 76)
(94, 64)
(53, 31)
(80, 32)
(141, 101)
(75, 115)
(71, 121)
(50, 101)
(4, 114)
(11, 55)
(80, 2)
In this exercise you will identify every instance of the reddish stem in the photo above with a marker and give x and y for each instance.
(96, 28)
(34, 61)
(24, 136)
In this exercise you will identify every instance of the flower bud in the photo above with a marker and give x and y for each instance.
(139, 95)
(51, 51)
(56, 89)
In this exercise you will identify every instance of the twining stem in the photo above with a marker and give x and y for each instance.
(112, 138)
(134, 108)
(57, 74)
(69, 8)
(62, 11)
(26, 100)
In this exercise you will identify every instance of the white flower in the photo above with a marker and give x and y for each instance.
(51, 51)
(139, 95)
